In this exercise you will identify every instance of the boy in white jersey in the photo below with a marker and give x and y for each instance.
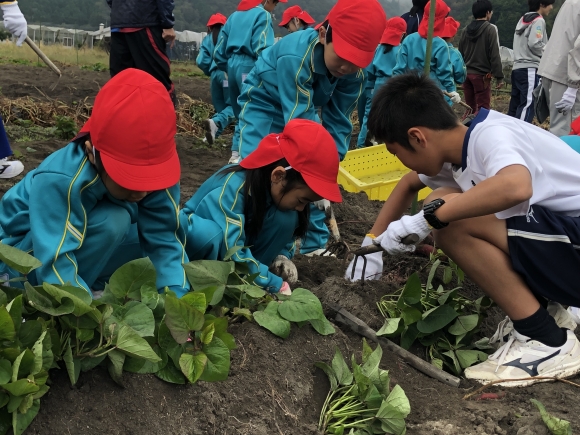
(505, 207)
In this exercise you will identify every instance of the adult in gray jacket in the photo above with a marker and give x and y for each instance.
(530, 39)
(560, 68)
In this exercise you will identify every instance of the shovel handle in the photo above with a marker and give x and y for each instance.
(447, 94)
(411, 239)
(40, 54)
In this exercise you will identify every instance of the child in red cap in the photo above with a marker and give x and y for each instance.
(110, 196)
(308, 69)
(457, 63)
(381, 69)
(262, 204)
(295, 19)
(412, 53)
(220, 91)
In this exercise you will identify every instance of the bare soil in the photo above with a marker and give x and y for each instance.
(273, 388)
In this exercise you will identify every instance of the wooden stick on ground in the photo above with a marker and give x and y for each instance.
(40, 54)
(361, 328)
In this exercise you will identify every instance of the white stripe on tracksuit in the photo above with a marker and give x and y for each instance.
(531, 83)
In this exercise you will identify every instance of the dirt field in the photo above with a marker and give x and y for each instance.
(273, 388)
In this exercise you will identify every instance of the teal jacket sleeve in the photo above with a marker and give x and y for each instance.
(162, 238)
(57, 226)
(295, 88)
(337, 112)
(227, 200)
(262, 33)
(289, 250)
(402, 54)
(205, 56)
(459, 69)
(220, 51)
(443, 68)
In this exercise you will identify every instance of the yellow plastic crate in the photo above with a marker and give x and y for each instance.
(373, 170)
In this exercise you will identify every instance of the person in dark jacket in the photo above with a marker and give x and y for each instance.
(414, 17)
(479, 47)
(140, 32)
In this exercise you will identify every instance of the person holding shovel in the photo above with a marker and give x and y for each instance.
(15, 23)
(263, 204)
(505, 207)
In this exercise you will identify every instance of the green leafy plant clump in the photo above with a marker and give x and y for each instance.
(361, 400)
(441, 320)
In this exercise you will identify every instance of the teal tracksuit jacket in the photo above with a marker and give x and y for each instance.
(216, 221)
(220, 93)
(457, 63)
(412, 57)
(240, 43)
(379, 71)
(62, 214)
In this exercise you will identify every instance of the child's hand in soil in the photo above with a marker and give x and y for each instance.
(392, 239)
(374, 269)
(285, 269)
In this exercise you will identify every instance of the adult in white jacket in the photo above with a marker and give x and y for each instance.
(560, 68)
(15, 23)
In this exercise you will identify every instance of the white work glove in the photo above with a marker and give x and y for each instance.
(567, 101)
(285, 289)
(323, 204)
(284, 268)
(392, 239)
(15, 22)
(455, 97)
(374, 269)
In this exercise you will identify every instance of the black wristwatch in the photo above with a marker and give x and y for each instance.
(429, 214)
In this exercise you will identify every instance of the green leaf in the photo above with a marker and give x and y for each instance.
(230, 252)
(391, 327)
(41, 392)
(7, 330)
(137, 316)
(393, 411)
(192, 366)
(181, 318)
(14, 402)
(44, 304)
(15, 310)
(555, 425)
(271, 320)
(437, 319)
(171, 374)
(370, 367)
(464, 324)
(22, 365)
(115, 366)
(130, 343)
(73, 365)
(411, 294)
(467, 358)
(221, 330)
(5, 421)
(209, 273)
(88, 363)
(303, 305)
(129, 278)
(454, 366)
(150, 296)
(218, 361)
(398, 399)
(251, 290)
(79, 297)
(367, 351)
(29, 332)
(322, 326)
(196, 300)
(21, 387)
(445, 297)
(340, 368)
(244, 312)
(437, 363)
(5, 371)
(207, 334)
(18, 260)
(432, 272)
(38, 352)
(20, 422)
(409, 335)
(330, 373)
(411, 315)
(447, 275)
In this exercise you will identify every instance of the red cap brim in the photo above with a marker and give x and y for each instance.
(349, 52)
(284, 22)
(325, 189)
(143, 178)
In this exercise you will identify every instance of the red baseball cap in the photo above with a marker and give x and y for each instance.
(357, 27)
(451, 27)
(133, 127)
(295, 12)
(246, 5)
(216, 19)
(309, 149)
(441, 12)
(575, 127)
(396, 28)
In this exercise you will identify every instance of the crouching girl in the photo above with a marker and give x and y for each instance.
(262, 204)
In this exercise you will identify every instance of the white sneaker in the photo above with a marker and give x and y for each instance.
(522, 357)
(563, 318)
(234, 159)
(210, 130)
(10, 168)
(574, 314)
(319, 252)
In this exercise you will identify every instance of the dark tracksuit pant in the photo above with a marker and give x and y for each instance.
(144, 49)
(524, 80)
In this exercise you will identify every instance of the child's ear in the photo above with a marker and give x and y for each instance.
(89, 151)
(322, 35)
(278, 174)
(417, 137)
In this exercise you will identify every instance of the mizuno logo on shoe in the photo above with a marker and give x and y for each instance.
(530, 367)
(3, 169)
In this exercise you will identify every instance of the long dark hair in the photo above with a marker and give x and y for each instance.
(215, 31)
(257, 192)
